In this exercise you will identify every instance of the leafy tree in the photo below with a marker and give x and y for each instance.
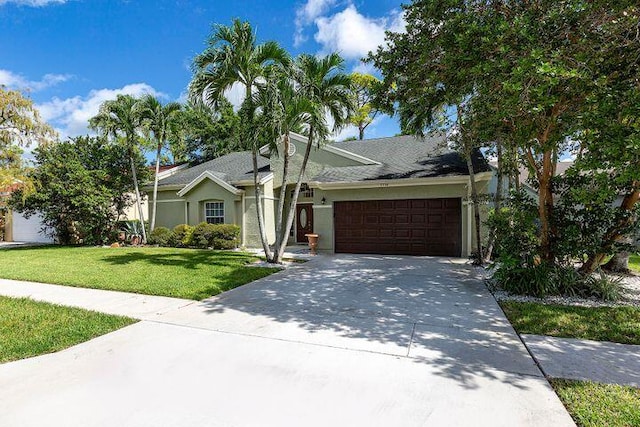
(157, 119)
(203, 133)
(20, 126)
(82, 186)
(537, 62)
(120, 119)
(233, 56)
(610, 140)
(365, 88)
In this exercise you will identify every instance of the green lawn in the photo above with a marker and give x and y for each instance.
(615, 324)
(29, 328)
(593, 404)
(634, 262)
(182, 273)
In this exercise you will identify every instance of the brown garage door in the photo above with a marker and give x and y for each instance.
(402, 227)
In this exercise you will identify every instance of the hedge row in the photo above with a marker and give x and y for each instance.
(203, 235)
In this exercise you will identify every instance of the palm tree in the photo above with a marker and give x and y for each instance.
(323, 91)
(233, 56)
(157, 118)
(119, 118)
(281, 109)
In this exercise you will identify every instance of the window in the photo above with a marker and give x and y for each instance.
(214, 212)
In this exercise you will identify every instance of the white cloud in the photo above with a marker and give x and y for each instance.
(17, 81)
(235, 95)
(364, 68)
(33, 3)
(306, 14)
(353, 34)
(71, 116)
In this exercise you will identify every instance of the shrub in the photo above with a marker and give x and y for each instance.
(160, 236)
(217, 236)
(225, 236)
(537, 279)
(603, 287)
(202, 235)
(181, 235)
(543, 279)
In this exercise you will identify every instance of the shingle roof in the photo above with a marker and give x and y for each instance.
(399, 157)
(402, 156)
(231, 168)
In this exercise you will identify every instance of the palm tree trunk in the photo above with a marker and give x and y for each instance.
(296, 192)
(280, 235)
(138, 203)
(258, 194)
(155, 188)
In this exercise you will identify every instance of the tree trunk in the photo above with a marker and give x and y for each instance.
(155, 188)
(616, 232)
(296, 191)
(497, 201)
(258, 194)
(138, 202)
(619, 263)
(545, 207)
(476, 206)
(281, 236)
(361, 132)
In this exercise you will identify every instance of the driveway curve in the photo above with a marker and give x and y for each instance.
(340, 340)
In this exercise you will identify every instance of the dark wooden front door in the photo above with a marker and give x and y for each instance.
(304, 221)
(399, 227)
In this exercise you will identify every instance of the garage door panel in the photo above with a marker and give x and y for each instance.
(411, 227)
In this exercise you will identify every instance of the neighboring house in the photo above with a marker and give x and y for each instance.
(16, 227)
(523, 178)
(398, 195)
(131, 213)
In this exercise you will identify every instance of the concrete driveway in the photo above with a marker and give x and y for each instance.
(341, 340)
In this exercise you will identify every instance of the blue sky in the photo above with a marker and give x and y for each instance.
(71, 55)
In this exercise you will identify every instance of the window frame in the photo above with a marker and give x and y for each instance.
(219, 210)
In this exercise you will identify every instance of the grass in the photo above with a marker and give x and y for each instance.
(634, 262)
(182, 273)
(593, 404)
(615, 324)
(29, 328)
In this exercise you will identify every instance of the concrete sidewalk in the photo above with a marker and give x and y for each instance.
(137, 306)
(341, 340)
(586, 360)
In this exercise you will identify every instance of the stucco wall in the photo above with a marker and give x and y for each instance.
(251, 231)
(170, 214)
(209, 191)
(318, 159)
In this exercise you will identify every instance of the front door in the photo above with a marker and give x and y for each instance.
(304, 221)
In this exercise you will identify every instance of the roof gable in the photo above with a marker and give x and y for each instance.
(210, 176)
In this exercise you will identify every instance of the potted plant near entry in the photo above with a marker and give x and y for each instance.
(313, 242)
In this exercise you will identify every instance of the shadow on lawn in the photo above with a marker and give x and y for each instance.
(437, 308)
(188, 258)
